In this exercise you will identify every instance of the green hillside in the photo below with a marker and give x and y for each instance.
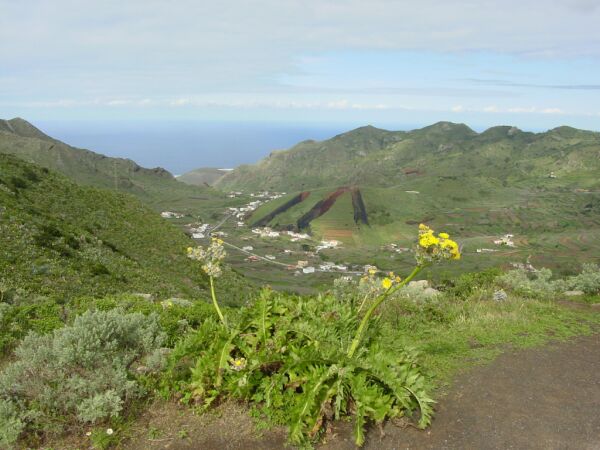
(551, 227)
(63, 240)
(156, 187)
(543, 188)
(369, 156)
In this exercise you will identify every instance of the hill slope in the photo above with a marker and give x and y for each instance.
(154, 186)
(369, 156)
(63, 240)
(542, 188)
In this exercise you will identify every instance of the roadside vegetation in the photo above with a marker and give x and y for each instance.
(374, 348)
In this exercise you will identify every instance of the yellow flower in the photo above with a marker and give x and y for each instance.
(386, 283)
(428, 239)
(435, 248)
(372, 271)
(238, 364)
(190, 250)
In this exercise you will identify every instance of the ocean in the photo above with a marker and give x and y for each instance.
(180, 146)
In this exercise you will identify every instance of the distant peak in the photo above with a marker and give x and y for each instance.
(564, 129)
(366, 130)
(501, 131)
(448, 126)
(19, 119)
(21, 127)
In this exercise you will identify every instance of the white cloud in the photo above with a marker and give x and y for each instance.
(235, 43)
(240, 54)
(534, 109)
(552, 111)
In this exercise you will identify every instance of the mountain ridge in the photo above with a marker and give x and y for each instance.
(153, 185)
(373, 156)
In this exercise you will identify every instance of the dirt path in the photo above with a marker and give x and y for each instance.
(545, 398)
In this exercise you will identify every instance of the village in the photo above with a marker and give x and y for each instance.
(278, 254)
(297, 253)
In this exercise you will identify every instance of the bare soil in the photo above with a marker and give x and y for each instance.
(167, 425)
(546, 398)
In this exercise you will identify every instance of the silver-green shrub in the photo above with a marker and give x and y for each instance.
(531, 284)
(587, 281)
(10, 424)
(82, 372)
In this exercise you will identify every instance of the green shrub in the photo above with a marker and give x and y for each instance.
(535, 284)
(466, 284)
(587, 281)
(80, 373)
(288, 355)
(24, 315)
(175, 316)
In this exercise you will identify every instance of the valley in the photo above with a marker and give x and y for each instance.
(86, 248)
(552, 208)
(301, 225)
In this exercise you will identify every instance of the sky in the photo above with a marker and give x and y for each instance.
(530, 63)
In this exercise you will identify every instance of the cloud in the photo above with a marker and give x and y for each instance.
(511, 110)
(200, 102)
(507, 83)
(491, 109)
(240, 43)
(178, 56)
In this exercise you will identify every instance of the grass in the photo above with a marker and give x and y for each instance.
(454, 334)
(461, 328)
(550, 227)
(61, 241)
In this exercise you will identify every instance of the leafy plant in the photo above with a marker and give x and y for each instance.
(307, 360)
(289, 356)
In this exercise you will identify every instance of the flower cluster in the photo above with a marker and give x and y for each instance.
(369, 282)
(432, 248)
(211, 257)
(390, 280)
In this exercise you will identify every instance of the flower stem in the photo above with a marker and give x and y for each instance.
(214, 299)
(371, 310)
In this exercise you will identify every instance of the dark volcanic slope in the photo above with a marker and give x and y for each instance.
(320, 208)
(281, 209)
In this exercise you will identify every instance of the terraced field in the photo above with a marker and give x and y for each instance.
(551, 228)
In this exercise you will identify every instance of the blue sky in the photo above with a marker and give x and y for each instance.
(529, 63)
